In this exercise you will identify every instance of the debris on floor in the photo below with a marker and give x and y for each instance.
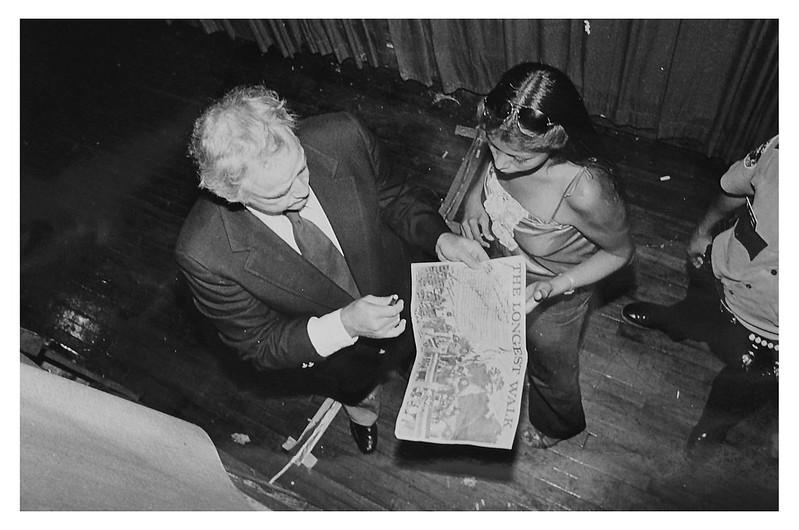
(438, 97)
(241, 439)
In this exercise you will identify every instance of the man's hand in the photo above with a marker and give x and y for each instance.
(536, 292)
(375, 317)
(451, 247)
(697, 245)
(722, 206)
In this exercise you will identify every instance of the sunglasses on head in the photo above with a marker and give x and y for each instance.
(530, 122)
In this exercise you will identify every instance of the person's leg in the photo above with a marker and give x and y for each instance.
(747, 382)
(357, 385)
(692, 317)
(735, 394)
(366, 411)
(695, 314)
(554, 335)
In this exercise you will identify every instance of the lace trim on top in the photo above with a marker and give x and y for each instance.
(504, 211)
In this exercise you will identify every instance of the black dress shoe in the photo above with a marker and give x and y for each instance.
(642, 314)
(365, 437)
(639, 314)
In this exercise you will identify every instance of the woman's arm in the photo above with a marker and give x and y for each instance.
(475, 223)
(597, 211)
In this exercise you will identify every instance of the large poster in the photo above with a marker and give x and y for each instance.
(469, 325)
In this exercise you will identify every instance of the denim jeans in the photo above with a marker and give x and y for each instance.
(555, 331)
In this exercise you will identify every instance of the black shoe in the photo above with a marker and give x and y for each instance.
(365, 437)
(642, 314)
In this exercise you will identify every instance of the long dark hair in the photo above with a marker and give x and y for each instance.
(535, 107)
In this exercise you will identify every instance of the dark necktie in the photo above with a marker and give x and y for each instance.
(318, 249)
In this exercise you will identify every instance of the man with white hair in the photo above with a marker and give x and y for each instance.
(299, 265)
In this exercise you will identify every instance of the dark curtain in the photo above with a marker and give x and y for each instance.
(359, 40)
(709, 84)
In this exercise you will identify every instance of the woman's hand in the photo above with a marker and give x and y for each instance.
(536, 292)
(697, 245)
(476, 224)
(452, 247)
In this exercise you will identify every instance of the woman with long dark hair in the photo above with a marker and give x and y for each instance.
(549, 196)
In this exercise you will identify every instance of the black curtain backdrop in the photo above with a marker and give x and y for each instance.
(708, 84)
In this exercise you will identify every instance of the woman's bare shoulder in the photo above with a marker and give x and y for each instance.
(593, 188)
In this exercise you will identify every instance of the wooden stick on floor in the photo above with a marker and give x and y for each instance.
(314, 430)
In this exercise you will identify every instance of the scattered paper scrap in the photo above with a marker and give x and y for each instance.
(241, 439)
(465, 132)
(665, 178)
(469, 481)
(439, 97)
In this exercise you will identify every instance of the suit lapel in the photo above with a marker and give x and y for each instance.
(273, 261)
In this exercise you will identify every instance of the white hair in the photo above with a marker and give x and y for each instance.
(235, 131)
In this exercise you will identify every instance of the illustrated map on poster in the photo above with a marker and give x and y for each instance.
(469, 326)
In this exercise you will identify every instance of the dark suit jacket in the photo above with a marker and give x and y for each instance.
(260, 293)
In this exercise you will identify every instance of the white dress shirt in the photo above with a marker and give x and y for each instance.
(327, 333)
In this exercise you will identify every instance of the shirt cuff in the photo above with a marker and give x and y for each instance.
(328, 335)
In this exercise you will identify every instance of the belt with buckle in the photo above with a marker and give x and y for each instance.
(759, 348)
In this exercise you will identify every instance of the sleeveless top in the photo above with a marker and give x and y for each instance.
(549, 248)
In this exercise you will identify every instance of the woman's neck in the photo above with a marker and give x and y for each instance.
(539, 171)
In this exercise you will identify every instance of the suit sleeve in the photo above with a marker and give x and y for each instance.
(259, 334)
(409, 211)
